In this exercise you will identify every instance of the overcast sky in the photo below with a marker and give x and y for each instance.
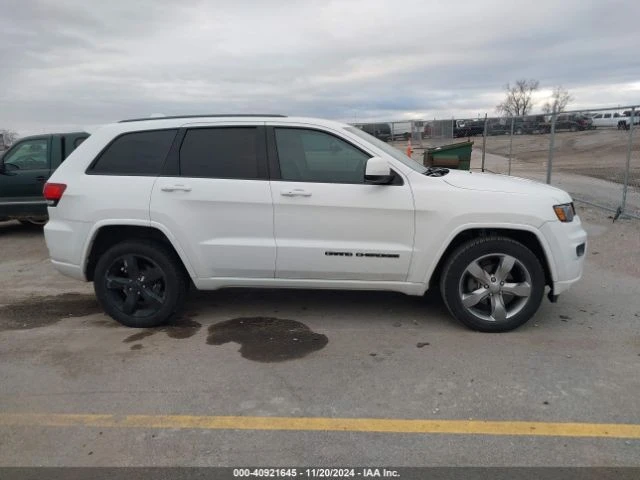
(67, 64)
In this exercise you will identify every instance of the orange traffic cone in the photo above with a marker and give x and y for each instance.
(409, 149)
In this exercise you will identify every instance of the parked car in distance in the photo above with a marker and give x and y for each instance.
(146, 208)
(573, 122)
(606, 119)
(498, 126)
(625, 123)
(381, 131)
(468, 128)
(25, 168)
(531, 124)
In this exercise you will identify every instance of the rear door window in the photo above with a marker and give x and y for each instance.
(136, 153)
(221, 152)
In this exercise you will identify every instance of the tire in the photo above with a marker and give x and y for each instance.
(525, 278)
(159, 297)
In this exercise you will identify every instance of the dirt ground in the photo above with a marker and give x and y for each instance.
(596, 153)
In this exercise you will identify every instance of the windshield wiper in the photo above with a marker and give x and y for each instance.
(436, 171)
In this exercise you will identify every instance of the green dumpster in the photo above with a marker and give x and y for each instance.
(456, 155)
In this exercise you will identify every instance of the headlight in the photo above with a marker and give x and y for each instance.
(565, 212)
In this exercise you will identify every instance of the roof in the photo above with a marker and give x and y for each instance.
(182, 121)
(216, 115)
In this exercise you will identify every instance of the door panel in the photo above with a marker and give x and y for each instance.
(343, 232)
(337, 231)
(224, 225)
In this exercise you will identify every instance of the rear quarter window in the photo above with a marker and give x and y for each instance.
(135, 153)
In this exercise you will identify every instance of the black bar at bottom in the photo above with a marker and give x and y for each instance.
(404, 473)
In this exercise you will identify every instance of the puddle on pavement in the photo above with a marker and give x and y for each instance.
(267, 339)
(184, 327)
(136, 337)
(38, 312)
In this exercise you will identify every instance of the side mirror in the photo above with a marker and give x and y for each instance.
(377, 172)
(8, 169)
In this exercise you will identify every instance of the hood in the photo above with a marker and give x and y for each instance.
(491, 182)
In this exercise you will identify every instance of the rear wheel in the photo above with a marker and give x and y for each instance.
(492, 284)
(140, 284)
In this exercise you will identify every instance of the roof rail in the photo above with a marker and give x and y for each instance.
(219, 115)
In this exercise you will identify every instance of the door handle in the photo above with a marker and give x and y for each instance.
(173, 188)
(295, 192)
(41, 179)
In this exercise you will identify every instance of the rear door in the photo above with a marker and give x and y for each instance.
(329, 224)
(598, 120)
(214, 198)
(26, 166)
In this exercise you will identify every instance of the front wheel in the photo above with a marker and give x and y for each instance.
(492, 284)
(140, 284)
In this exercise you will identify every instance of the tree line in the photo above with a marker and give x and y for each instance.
(7, 137)
(519, 99)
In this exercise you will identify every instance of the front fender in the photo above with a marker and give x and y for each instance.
(426, 262)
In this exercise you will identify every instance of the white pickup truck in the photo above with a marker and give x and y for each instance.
(607, 119)
(145, 208)
(621, 121)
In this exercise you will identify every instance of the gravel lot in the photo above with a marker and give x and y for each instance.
(259, 353)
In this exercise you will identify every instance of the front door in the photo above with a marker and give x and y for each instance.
(328, 223)
(25, 169)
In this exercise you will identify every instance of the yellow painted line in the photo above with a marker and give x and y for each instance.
(451, 427)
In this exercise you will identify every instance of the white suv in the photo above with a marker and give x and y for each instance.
(144, 208)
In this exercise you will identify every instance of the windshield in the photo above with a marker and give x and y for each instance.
(385, 147)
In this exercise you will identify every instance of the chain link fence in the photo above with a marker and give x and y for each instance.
(593, 154)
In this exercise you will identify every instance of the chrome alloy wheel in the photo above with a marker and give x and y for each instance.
(495, 287)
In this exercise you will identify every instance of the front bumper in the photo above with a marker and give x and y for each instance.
(568, 244)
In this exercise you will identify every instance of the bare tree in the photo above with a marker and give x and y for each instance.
(559, 100)
(7, 137)
(519, 98)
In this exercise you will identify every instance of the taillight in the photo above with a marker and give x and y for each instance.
(53, 193)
